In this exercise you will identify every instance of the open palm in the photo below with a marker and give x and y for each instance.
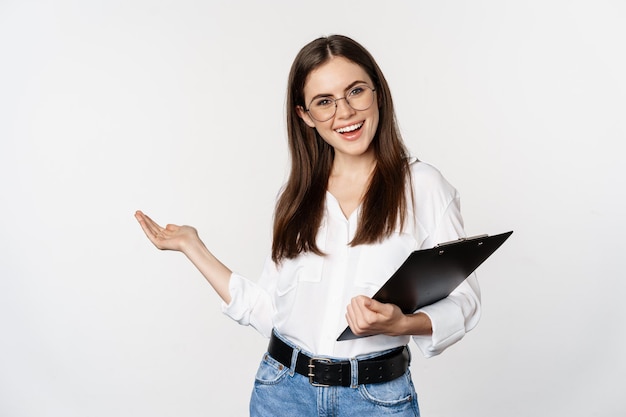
(170, 237)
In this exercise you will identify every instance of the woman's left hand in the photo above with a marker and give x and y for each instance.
(367, 316)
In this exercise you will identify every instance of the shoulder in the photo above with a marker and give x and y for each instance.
(426, 180)
(435, 205)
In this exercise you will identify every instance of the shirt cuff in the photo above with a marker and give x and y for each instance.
(448, 326)
(248, 306)
(237, 308)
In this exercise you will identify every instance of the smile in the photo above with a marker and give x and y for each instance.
(351, 128)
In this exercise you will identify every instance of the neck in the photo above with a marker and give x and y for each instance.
(353, 166)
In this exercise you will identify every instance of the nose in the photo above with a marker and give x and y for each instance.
(343, 108)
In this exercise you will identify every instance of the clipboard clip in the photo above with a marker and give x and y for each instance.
(462, 239)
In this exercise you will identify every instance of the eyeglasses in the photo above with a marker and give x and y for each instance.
(360, 97)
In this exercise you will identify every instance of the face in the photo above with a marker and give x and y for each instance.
(350, 132)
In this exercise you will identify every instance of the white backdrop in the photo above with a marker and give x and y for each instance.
(177, 108)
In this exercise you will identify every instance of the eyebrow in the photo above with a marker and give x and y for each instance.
(352, 84)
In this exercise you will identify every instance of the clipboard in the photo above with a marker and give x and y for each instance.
(429, 275)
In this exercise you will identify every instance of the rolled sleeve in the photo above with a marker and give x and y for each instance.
(451, 318)
(250, 305)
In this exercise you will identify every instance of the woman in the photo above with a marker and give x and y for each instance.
(354, 207)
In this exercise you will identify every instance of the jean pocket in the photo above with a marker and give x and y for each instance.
(396, 392)
(270, 371)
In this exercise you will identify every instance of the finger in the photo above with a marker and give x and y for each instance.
(151, 223)
(354, 314)
(350, 314)
(383, 312)
(374, 314)
(373, 305)
(353, 321)
(349, 320)
(360, 316)
(149, 226)
(145, 225)
(361, 306)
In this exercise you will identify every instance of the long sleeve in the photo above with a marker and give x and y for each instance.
(251, 303)
(457, 314)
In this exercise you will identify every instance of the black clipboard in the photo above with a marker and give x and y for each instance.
(429, 275)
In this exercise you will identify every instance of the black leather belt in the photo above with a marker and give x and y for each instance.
(326, 372)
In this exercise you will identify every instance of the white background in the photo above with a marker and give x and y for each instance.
(177, 108)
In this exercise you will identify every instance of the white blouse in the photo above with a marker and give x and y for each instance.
(305, 298)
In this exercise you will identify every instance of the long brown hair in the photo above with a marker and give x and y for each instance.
(300, 207)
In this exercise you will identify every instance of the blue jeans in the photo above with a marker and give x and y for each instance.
(280, 391)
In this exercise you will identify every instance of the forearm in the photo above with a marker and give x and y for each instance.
(417, 324)
(215, 272)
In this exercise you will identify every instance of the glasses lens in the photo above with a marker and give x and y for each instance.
(323, 108)
(359, 97)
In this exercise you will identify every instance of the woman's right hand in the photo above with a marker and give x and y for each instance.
(185, 239)
(171, 237)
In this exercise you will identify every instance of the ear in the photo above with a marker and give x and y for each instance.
(304, 115)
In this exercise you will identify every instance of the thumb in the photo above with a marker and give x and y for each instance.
(372, 304)
(384, 309)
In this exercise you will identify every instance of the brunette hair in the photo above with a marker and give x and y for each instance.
(300, 207)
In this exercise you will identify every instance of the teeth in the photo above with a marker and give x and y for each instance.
(349, 128)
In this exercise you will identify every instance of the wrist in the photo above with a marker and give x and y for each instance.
(192, 246)
(416, 324)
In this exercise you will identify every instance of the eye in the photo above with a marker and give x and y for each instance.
(356, 91)
(323, 102)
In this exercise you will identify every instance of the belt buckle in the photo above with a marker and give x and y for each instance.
(311, 373)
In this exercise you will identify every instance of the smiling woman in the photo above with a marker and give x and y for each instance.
(354, 207)
(348, 123)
